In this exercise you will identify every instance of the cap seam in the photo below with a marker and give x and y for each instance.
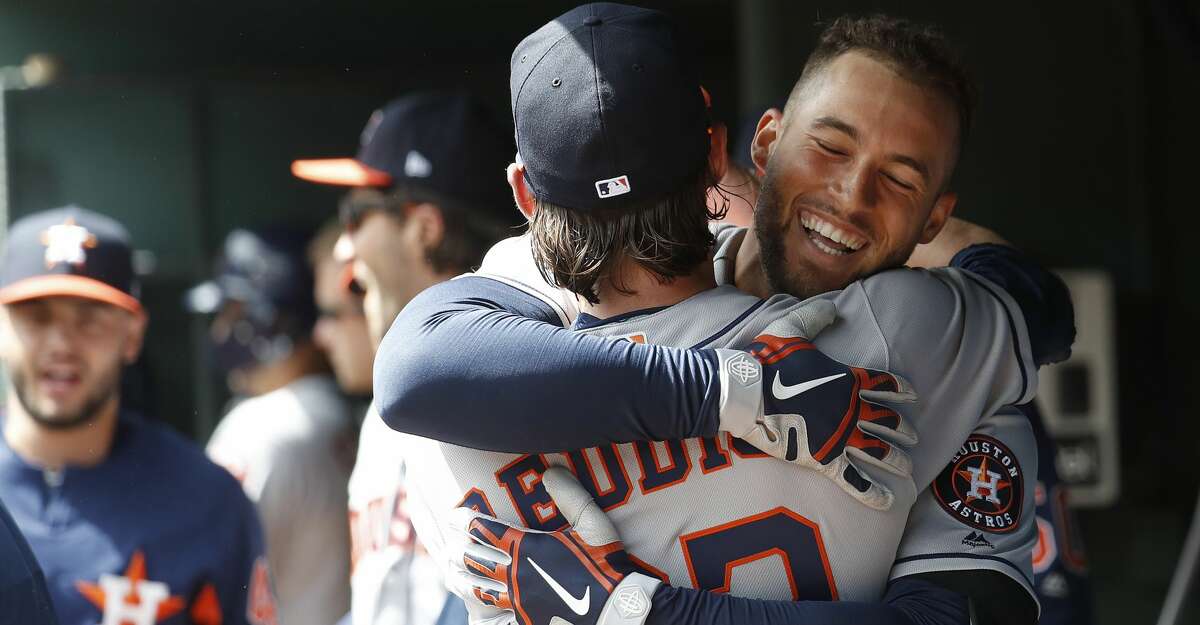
(612, 158)
(521, 90)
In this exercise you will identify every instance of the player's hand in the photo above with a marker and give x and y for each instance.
(580, 574)
(791, 401)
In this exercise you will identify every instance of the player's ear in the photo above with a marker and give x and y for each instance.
(521, 193)
(943, 208)
(770, 127)
(424, 222)
(135, 337)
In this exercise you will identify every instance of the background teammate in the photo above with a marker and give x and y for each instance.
(424, 205)
(131, 523)
(341, 328)
(289, 438)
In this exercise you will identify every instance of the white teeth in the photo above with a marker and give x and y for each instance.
(825, 248)
(831, 231)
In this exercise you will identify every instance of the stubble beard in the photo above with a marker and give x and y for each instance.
(87, 413)
(801, 281)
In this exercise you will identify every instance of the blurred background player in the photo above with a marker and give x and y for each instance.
(131, 523)
(289, 437)
(425, 203)
(341, 328)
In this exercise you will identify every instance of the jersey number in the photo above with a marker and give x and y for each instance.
(712, 554)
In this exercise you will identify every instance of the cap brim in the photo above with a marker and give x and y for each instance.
(65, 285)
(347, 172)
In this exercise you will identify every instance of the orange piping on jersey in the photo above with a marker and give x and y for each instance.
(655, 571)
(687, 556)
(489, 510)
(527, 490)
(687, 460)
(724, 454)
(611, 478)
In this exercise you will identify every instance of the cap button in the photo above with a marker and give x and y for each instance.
(593, 21)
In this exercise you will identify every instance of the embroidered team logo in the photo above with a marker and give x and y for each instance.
(131, 599)
(612, 187)
(982, 486)
(67, 243)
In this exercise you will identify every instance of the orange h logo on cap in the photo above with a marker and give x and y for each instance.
(67, 243)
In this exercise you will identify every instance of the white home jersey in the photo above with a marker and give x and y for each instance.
(717, 514)
(394, 580)
(291, 449)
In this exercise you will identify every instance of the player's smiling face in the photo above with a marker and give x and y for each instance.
(63, 356)
(854, 175)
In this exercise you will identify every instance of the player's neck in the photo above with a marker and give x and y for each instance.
(85, 445)
(748, 274)
(644, 289)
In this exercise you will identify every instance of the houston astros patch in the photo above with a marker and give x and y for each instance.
(982, 487)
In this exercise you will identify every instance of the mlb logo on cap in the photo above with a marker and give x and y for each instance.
(612, 187)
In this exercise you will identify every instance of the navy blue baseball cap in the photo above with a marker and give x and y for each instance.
(69, 252)
(443, 142)
(608, 108)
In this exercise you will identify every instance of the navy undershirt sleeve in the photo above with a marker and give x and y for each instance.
(1043, 298)
(909, 601)
(479, 363)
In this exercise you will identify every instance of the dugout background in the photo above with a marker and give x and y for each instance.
(181, 118)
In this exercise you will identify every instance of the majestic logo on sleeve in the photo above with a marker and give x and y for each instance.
(982, 487)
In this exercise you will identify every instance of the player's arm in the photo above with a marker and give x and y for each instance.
(1042, 297)
(553, 570)
(974, 529)
(467, 359)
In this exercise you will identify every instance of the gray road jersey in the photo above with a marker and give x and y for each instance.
(692, 508)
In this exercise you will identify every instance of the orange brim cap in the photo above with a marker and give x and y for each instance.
(60, 285)
(340, 171)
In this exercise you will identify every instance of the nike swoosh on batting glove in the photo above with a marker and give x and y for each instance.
(580, 575)
(795, 403)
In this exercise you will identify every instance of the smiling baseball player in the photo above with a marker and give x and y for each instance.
(704, 531)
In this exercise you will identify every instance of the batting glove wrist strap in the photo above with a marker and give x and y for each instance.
(741, 392)
(630, 602)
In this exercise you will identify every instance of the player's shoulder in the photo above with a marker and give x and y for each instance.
(929, 288)
(511, 261)
(299, 410)
(179, 465)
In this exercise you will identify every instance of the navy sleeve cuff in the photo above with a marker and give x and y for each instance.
(1042, 296)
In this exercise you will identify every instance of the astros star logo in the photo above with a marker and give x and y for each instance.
(131, 599)
(67, 243)
(985, 484)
